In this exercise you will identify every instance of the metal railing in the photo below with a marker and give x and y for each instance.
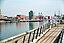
(29, 36)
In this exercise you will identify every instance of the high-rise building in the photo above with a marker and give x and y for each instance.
(30, 15)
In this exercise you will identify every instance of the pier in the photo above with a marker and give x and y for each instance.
(48, 33)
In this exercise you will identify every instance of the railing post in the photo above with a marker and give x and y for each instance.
(29, 37)
(24, 38)
(40, 30)
(45, 26)
(52, 23)
(37, 33)
(33, 35)
(50, 26)
(61, 37)
(62, 34)
(43, 30)
(16, 41)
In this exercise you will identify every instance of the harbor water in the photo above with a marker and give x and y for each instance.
(8, 30)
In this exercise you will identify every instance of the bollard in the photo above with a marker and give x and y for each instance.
(33, 35)
(24, 38)
(16, 41)
(37, 33)
(29, 37)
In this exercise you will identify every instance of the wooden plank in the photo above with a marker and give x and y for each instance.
(51, 35)
(46, 35)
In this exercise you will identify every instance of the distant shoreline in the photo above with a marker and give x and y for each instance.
(21, 21)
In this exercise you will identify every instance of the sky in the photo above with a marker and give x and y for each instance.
(22, 7)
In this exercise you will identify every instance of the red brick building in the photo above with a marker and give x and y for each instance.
(23, 17)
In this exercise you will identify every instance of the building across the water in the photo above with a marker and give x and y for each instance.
(22, 17)
(30, 15)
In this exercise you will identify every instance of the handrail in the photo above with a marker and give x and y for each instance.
(11, 38)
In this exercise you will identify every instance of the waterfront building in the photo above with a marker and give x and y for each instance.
(22, 17)
(4, 17)
(39, 17)
(30, 15)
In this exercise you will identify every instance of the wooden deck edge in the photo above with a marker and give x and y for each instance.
(43, 35)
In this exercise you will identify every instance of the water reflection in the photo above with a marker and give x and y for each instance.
(31, 26)
(41, 24)
(11, 29)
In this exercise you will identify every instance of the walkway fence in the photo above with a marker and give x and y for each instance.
(29, 36)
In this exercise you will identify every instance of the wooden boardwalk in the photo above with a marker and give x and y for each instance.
(51, 35)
